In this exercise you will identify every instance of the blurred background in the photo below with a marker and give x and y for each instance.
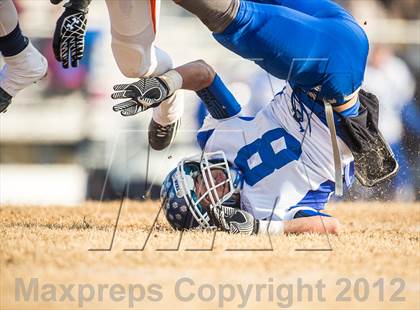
(61, 143)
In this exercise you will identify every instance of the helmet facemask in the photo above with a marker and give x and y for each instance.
(189, 169)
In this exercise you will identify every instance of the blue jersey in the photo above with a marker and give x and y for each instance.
(315, 45)
(284, 167)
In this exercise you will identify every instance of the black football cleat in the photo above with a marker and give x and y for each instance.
(5, 100)
(160, 137)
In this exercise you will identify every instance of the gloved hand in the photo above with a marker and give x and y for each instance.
(69, 34)
(360, 132)
(234, 221)
(144, 94)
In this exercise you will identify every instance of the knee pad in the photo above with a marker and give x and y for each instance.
(163, 62)
(137, 56)
(132, 60)
(215, 14)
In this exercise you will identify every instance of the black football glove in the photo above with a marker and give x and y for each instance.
(5, 100)
(69, 35)
(144, 94)
(374, 159)
(234, 220)
(360, 132)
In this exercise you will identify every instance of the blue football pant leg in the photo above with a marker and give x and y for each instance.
(274, 36)
(309, 213)
(305, 50)
(306, 42)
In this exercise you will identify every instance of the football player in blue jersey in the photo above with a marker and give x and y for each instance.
(256, 174)
(285, 155)
(320, 49)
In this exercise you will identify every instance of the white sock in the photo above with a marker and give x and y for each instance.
(170, 110)
(271, 227)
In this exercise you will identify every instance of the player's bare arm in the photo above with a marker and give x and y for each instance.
(196, 75)
(313, 224)
(234, 220)
(150, 92)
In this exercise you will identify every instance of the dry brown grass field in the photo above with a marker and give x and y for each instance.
(378, 241)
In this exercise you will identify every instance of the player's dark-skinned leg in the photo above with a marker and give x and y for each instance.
(215, 14)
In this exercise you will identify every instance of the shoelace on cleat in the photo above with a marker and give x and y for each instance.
(162, 131)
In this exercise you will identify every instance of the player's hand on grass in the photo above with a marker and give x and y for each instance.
(69, 35)
(234, 221)
(144, 94)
